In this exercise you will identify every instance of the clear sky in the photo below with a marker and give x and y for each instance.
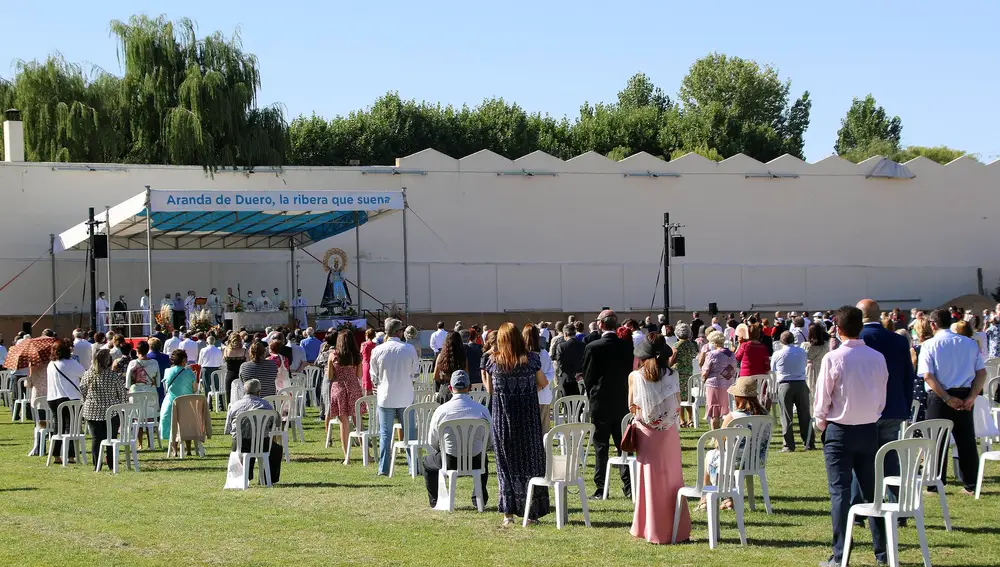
(935, 65)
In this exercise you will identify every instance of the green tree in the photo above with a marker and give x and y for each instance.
(888, 149)
(736, 106)
(866, 125)
(703, 151)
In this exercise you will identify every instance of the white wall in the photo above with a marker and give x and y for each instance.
(483, 242)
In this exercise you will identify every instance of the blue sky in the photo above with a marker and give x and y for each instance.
(934, 65)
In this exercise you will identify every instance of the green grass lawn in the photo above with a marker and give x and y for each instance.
(323, 512)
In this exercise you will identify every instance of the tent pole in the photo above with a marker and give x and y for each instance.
(357, 255)
(149, 258)
(406, 263)
(91, 225)
(295, 284)
(52, 255)
(107, 232)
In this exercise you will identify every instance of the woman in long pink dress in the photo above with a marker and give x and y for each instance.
(344, 370)
(654, 398)
(366, 361)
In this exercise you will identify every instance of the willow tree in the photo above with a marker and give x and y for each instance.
(194, 101)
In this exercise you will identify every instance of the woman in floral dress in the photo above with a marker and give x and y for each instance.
(344, 371)
(684, 352)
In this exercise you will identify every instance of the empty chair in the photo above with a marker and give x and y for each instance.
(366, 434)
(754, 459)
(463, 433)
(262, 423)
(22, 399)
(415, 439)
(149, 415)
(571, 409)
(938, 432)
(992, 367)
(68, 430)
(480, 396)
(986, 427)
(623, 460)
(282, 404)
(913, 454)
(297, 380)
(695, 397)
(987, 456)
(727, 441)
(296, 413)
(563, 470)
(426, 374)
(313, 376)
(6, 393)
(127, 414)
(216, 391)
(477, 387)
(41, 432)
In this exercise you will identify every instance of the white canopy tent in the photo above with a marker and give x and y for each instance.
(161, 219)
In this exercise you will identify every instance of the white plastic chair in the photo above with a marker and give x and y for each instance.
(728, 441)
(426, 371)
(562, 471)
(623, 460)
(938, 432)
(414, 441)
(365, 435)
(282, 404)
(216, 390)
(313, 376)
(480, 396)
(41, 433)
(260, 420)
(754, 457)
(464, 433)
(297, 380)
(149, 415)
(127, 414)
(22, 399)
(6, 394)
(329, 428)
(477, 387)
(987, 456)
(695, 398)
(986, 428)
(571, 409)
(73, 434)
(913, 454)
(296, 412)
(992, 367)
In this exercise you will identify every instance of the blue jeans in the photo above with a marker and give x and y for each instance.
(888, 430)
(386, 418)
(851, 449)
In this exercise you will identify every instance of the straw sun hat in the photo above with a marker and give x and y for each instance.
(745, 387)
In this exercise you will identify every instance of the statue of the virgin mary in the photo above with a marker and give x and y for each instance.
(336, 298)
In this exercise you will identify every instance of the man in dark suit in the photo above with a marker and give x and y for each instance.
(899, 389)
(696, 324)
(594, 334)
(569, 356)
(607, 363)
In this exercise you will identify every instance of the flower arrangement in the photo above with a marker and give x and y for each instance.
(165, 318)
(202, 321)
(282, 306)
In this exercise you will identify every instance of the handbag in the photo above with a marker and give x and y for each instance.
(630, 438)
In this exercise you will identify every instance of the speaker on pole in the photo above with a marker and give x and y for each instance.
(26, 327)
(677, 246)
(713, 308)
(100, 246)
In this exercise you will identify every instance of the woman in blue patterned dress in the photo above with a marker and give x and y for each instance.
(515, 378)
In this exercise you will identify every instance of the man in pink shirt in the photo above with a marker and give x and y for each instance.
(850, 396)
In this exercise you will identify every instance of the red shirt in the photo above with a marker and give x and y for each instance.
(753, 358)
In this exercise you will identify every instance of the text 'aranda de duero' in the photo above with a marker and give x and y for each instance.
(296, 199)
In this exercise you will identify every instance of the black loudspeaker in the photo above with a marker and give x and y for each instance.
(227, 324)
(713, 308)
(100, 246)
(26, 327)
(677, 246)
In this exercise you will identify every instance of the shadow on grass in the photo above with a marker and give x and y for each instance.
(800, 499)
(313, 459)
(19, 489)
(940, 527)
(801, 512)
(329, 485)
(780, 542)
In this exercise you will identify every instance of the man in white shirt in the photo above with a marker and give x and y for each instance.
(299, 305)
(798, 331)
(210, 360)
(145, 303)
(83, 351)
(298, 361)
(189, 346)
(103, 312)
(173, 343)
(461, 406)
(716, 325)
(214, 305)
(394, 366)
(263, 303)
(437, 338)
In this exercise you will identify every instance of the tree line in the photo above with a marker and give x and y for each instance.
(184, 99)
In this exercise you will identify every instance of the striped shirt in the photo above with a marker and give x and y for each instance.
(266, 371)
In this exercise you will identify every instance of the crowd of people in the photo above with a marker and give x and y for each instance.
(849, 377)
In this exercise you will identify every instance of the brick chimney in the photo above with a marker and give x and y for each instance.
(13, 136)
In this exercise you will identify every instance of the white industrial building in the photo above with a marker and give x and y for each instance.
(488, 235)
